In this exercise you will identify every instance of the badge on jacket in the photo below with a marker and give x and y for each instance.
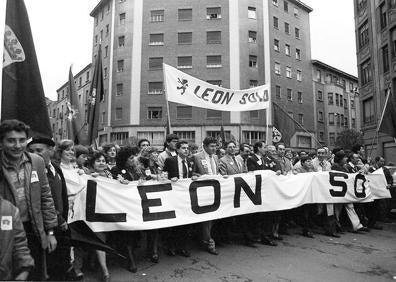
(34, 177)
(6, 223)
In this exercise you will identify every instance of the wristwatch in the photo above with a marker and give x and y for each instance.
(51, 232)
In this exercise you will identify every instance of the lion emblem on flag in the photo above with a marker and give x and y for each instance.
(183, 85)
(13, 50)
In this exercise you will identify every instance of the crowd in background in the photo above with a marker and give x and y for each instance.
(35, 199)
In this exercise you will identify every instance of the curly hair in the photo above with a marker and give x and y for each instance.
(124, 154)
(95, 156)
(13, 125)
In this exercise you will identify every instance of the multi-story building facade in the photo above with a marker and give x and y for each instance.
(336, 102)
(57, 110)
(236, 44)
(375, 27)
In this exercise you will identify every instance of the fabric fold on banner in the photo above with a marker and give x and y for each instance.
(106, 205)
(185, 89)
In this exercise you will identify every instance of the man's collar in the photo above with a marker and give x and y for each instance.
(7, 163)
(258, 156)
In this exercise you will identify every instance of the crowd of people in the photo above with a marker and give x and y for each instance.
(35, 200)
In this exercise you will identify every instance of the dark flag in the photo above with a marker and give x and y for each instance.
(22, 90)
(95, 97)
(284, 123)
(387, 123)
(75, 124)
(222, 136)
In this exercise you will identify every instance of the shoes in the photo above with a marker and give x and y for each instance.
(210, 247)
(332, 234)
(265, 240)
(106, 278)
(154, 258)
(308, 234)
(183, 253)
(376, 227)
(132, 268)
(363, 229)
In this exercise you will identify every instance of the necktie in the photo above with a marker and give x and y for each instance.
(212, 165)
(236, 163)
(49, 171)
(185, 175)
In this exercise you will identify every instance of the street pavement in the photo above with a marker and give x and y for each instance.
(353, 257)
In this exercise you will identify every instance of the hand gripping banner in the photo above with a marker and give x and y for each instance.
(106, 205)
(186, 89)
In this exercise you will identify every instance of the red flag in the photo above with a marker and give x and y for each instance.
(22, 90)
(95, 97)
(284, 123)
(387, 123)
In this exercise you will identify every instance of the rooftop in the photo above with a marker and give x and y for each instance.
(328, 67)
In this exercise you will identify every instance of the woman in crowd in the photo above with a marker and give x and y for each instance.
(82, 154)
(110, 152)
(124, 164)
(147, 168)
(65, 154)
(288, 160)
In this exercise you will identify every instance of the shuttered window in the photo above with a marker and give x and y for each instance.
(155, 63)
(213, 37)
(213, 61)
(184, 62)
(184, 38)
(185, 14)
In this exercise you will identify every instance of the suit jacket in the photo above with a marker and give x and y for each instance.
(59, 193)
(172, 167)
(351, 169)
(227, 166)
(254, 163)
(199, 166)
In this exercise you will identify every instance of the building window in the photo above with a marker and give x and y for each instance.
(368, 111)
(252, 36)
(252, 137)
(215, 82)
(103, 117)
(155, 137)
(297, 32)
(298, 54)
(184, 62)
(122, 18)
(87, 77)
(275, 2)
(101, 35)
(253, 83)
(299, 75)
(96, 21)
(295, 12)
(184, 112)
(278, 92)
(332, 138)
(301, 118)
(212, 114)
(382, 14)
(118, 137)
(353, 122)
(330, 98)
(184, 38)
(352, 103)
(107, 30)
(299, 97)
(106, 51)
(338, 119)
(80, 82)
(213, 37)
(276, 22)
(96, 39)
(119, 89)
(331, 118)
(184, 15)
(155, 63)
(318, 75)
(277, 68)
(156, 39)
(276, 45)
(363, 35)
(365, 72)
(213, 61)
(252, 13)
(121, 41)
(385, 58)
(289, 94)
(188, 136)
(287, 28)
(155, 87)
(288, 72)
(287, 50)
(321, 136)
(118, 113)
(120, 65)
(213, 13)
(154, 113)
(337, 99)
(104, 73)
(254, 114)
(345, 104)
(286, 6)
(252, 61)
(320, 116)
(157, 16)
(341, 101)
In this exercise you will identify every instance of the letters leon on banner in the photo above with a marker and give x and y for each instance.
(186, 89)
(106, 205)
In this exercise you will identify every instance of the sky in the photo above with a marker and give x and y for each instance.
(62, 32)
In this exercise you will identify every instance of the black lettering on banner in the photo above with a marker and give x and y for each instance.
(336, 183)
(147, 203)
(252, 98)
(227, 98)
(194, 197)
(361, 194)
(243, 99)
(206, 94)
(90, 204)
(218, 95)
(254, 197)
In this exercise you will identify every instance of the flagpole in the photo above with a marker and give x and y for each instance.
(166, 97)
(3, 5)
(267, 70)
(383, 111)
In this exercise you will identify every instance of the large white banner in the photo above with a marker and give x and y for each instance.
(106, 205)
(186, 89)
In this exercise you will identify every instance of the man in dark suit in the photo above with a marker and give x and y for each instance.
(262, 220)
(178, 167)
(206, 162)
(59, 261)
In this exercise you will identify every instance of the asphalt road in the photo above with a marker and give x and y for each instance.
(353, 257)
